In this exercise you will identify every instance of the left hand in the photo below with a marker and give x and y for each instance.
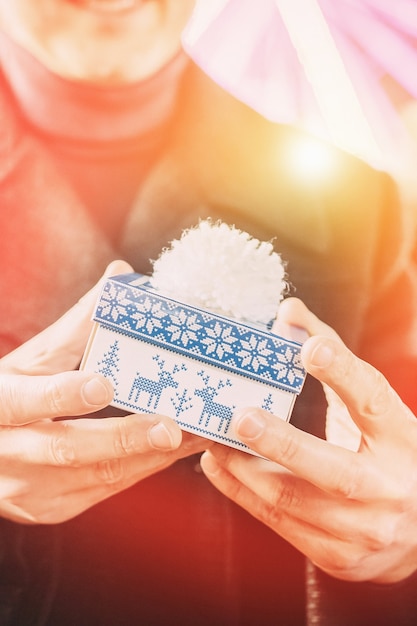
(52, 470)
(352, 512)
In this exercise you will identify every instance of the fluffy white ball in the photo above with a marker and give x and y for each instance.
(218, 267)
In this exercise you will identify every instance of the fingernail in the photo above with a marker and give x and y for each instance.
(249, 425)
(288, 331)
(209, 464)
(322, 355)
(160, 438)
(95, 392)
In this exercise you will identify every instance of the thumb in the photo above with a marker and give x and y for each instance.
(60, 346)
(26, 399)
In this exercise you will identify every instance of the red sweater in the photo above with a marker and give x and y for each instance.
(74, 162)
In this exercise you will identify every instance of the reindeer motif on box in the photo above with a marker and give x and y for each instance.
(154, 388)
(212, 408)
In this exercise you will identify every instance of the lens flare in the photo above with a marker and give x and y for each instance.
(310, 159)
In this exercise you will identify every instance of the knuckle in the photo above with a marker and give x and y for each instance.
(288, 448)
(55, 397)
(286, 497)
(61, 449)
(343, 562)
(381, 537)
(348, 482)
(269, 514)
(342, 565)
(237, 493)
(358, 568)
(352, 560)
(111, 472)
(274, 516)
(382, 398)
(123, 441)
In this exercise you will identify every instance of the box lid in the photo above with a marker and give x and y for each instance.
(128, 304)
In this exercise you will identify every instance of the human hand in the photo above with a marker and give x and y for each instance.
(352, 512)
(52, 470)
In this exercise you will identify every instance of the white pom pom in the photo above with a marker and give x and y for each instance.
(218, 267)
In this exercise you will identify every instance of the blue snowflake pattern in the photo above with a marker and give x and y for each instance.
(254, 353)
(149, 316)
(114, 302)
(288, 366)
(184, 328)
(143, 314)
(218, 340)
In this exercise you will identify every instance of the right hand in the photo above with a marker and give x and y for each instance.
(52, 470)
(352, 512)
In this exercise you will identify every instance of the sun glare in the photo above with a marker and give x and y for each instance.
(310, 159)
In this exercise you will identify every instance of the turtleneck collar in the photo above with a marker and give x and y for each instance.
(78, 111)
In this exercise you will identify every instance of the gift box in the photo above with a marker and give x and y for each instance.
(164, 356)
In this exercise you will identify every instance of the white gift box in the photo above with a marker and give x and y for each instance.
(198, 367)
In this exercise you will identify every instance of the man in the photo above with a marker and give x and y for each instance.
(104, 154)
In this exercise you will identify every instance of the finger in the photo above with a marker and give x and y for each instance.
(285, 492)
(68, 491)
(73, 443)
(60, 346)
(329, 467)
(26, 399)
(340, 557)
(294, 317)
(111, 476)
(300, 534)
(374, 406)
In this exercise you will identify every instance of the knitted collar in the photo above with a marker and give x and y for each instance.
(77, 111)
